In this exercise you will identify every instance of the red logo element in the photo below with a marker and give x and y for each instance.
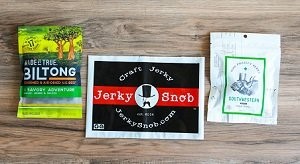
(115, 95)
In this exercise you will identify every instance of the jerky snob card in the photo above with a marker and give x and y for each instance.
(145, 97)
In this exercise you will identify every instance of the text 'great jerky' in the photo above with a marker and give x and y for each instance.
(50, 57)
(145, 97)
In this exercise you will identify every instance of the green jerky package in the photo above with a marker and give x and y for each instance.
(50, 57)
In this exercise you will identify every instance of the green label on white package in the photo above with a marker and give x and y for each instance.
(244, 85)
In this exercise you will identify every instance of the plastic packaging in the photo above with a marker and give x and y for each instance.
(50, 57)
(244, 73)
(145, 97)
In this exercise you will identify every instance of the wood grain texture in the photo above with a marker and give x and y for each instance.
(156, 27)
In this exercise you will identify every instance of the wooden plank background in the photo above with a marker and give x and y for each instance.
(156, 27)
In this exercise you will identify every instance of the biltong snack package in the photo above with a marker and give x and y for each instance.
(244, 74)
(145, 97)
(50, 57)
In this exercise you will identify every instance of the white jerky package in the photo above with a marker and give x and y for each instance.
(145, 97)
(244, 74)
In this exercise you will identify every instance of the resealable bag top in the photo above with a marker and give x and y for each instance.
(244, 77)
(50, 57)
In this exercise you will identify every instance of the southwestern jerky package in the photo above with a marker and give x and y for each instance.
(244, 73)
(145, 97)
(50, 57)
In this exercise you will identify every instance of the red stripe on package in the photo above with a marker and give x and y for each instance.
(185, 97)
(114, 95)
